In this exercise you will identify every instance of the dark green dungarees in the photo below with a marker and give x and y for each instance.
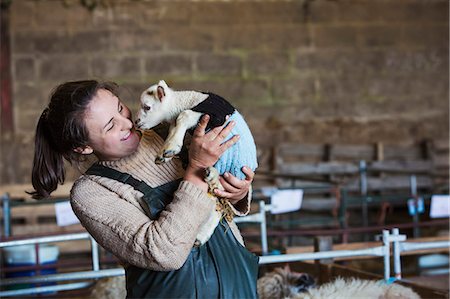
(221, 268)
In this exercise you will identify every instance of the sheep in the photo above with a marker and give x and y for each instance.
(109, 288)
(282, 283)
(358, 288)
(182, 110)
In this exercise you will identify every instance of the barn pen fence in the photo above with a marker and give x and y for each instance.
(380, 251)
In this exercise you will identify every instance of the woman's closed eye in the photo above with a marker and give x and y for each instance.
(110, 128)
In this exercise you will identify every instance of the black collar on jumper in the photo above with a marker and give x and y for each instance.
(217, 108)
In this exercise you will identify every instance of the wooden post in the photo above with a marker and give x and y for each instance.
(379, 151)
(7, 122)
(323, 243)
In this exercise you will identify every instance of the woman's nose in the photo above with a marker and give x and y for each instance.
(127, 123)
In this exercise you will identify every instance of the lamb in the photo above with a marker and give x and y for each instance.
(182, 110)
(109, 288)
(282, 283)
(358, 288)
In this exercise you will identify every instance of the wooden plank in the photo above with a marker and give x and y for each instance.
(352, 152)
(402, 152)
(441, 161)
(296, 151)
(36, 211)
(319, 204)
(409, 167)
(50, 228)
(389, 183)
(321, 168)
(441, 145)
(18, 191)
(77, 246)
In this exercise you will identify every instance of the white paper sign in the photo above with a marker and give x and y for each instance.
(440, 206)
(284, 201)
(64, 214)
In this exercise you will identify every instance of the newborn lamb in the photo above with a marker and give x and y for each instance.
(183, 110)
(286, 284)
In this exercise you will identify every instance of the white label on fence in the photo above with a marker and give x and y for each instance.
(284, 201)
(64, 214)
(440, 206)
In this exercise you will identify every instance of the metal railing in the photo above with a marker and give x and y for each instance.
(95, 273)
(398, 247)
(259, 217)
(383, 251)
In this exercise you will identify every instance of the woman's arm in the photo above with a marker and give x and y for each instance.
(120, 225)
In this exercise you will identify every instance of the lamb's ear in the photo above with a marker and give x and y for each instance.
(160, 92)
(163, 84)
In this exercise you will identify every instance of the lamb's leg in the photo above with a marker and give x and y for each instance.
(207, 228)
(212, 178)
(174, 142)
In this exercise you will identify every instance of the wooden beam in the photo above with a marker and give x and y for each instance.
(7, 121)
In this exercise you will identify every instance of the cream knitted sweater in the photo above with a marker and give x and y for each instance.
(116, 216)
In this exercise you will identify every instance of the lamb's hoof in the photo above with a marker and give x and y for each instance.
(170, 153)
(211, 175)
(160, 160)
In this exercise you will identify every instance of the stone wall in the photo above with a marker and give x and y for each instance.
(311, 71)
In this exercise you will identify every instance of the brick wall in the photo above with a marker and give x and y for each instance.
(347, 71)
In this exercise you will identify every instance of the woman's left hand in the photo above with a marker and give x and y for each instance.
(235, 189)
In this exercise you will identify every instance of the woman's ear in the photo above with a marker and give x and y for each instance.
(87, 150)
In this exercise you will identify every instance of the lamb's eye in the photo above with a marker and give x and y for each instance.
(146, 108)
(150, 93)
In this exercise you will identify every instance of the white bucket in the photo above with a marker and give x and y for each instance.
(25, 255)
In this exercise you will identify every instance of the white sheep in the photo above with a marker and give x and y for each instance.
(282, 283)
(183, 110)
(109, 288)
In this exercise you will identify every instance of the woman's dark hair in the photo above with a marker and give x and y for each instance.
(60, 130)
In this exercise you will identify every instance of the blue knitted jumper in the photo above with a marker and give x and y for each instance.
(243, 152)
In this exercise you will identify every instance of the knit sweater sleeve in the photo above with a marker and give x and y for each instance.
(124, 229)
(242, 207)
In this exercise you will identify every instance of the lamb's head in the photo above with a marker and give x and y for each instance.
(283, 283)
(153, 109)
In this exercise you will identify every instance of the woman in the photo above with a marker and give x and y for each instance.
(147, 215)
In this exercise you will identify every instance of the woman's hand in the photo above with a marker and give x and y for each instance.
(206, 148)
(235, 189)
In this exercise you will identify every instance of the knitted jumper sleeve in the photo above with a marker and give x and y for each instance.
(121, 226)
(242, 207)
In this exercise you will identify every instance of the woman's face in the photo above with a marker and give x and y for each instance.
(111, 132)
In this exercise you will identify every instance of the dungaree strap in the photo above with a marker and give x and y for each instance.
(122, 177)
